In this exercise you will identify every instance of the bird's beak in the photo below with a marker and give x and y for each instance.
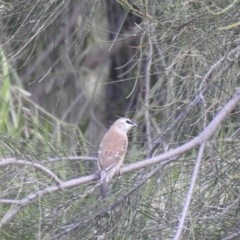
(134, 124)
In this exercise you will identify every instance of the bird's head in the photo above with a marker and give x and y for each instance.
(124, 124)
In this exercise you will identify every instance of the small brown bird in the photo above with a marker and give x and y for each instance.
(112, 151)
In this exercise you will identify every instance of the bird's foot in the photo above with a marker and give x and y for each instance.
(98, 173)
(119, 172)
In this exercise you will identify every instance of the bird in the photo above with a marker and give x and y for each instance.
(112, 150)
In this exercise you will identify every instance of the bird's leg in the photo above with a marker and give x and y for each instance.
(119, 172)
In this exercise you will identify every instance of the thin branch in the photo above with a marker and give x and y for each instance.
(228, 208)
(190, 192)
(149, 175)
(151, 30)
(70, 158)
(232, 236)
(10, 201)
(9, 161)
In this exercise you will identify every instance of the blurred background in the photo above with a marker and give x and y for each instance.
(69, 68)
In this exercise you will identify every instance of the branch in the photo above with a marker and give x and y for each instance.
(70, 158)
(190, 192)
(203, 137)
(151, 30)
(9, 161)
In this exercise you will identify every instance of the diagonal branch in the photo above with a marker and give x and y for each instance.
(190, 192)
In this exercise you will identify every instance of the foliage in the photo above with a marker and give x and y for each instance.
(67, 70)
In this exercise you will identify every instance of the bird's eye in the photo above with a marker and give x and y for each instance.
(129, 122)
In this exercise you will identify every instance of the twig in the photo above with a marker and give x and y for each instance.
(151, 30)
(9, 161)
(228, 208)
(232, 236)
(190, 192)
(70, 158)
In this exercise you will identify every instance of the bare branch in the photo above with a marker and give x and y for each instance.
(70, 158)
(9, 161)
(190, 192)
(151, 29)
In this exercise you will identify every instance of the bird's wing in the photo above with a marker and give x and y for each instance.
(112, 150)
(110, 156)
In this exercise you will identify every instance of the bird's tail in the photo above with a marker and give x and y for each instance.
(104, 184)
